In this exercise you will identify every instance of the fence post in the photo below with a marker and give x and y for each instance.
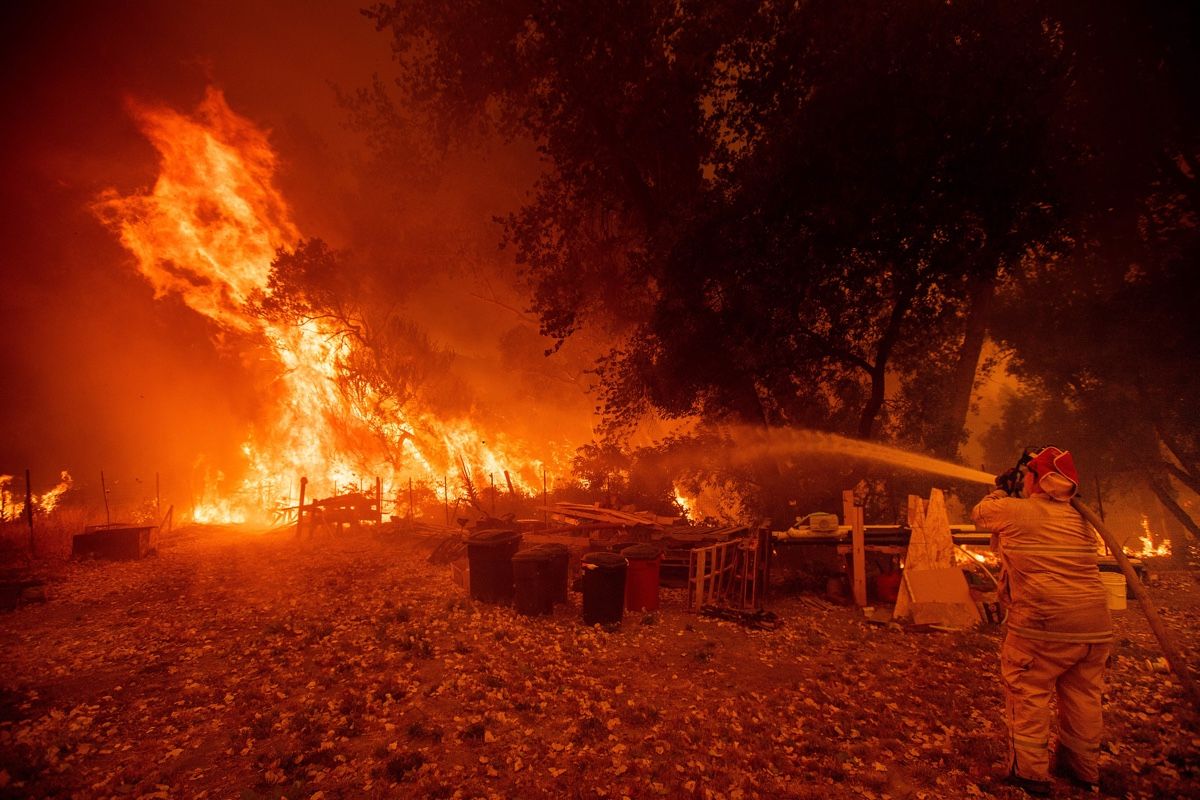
(300, 507)
(29, 510)
(104, 490)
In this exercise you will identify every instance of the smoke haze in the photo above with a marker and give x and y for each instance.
(98, 374)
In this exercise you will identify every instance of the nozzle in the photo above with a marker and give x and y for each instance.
(1011, 481)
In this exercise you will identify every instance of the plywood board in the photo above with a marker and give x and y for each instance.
(941, 596)
(931, 545)
(943, 585)
(950, 615)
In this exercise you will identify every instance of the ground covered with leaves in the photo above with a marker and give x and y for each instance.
(252, 666)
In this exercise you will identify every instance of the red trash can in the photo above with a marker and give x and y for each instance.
(641, 578)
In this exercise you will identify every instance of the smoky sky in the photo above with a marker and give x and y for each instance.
(97, 373)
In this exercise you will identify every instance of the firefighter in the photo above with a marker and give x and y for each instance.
(1059, 629)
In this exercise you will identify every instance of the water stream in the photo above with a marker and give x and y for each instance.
(752, 443)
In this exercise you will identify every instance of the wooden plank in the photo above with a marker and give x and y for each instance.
(930, 546)
(601, 515)
(915, 518)
(852, 516)
(300, 508)
(696, 589)
(939, 544)
(721, 584)
(890, 549)
(748, 554)
(859, 557)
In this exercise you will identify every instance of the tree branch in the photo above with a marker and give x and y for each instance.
(1183, 476)
(830, 349)
(883, 352)
(1164, 497)
(1173, 447)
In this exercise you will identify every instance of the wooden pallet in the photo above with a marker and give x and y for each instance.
(731, 573)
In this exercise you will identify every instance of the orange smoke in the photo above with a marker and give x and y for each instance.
(208, 232)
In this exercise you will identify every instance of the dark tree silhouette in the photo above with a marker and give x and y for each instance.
(816, 214)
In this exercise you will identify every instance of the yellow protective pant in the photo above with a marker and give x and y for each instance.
(1033, 672)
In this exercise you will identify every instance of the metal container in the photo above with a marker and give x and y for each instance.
(118, 541)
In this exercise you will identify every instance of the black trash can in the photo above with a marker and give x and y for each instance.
(603, 588)
(560, 560)
(490, 556)
(531, 576)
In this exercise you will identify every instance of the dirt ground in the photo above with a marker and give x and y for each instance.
(240, 665)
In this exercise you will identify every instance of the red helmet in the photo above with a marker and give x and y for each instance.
(1054, 472)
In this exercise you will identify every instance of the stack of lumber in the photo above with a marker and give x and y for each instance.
(579, 514)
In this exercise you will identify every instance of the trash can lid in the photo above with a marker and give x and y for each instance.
(603, 560)
(641, 552)
(532, 554)
(493, 537)
(553, 549)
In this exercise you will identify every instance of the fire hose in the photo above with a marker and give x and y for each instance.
(1174, 659)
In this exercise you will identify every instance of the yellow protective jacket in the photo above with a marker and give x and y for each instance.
(1048, 576)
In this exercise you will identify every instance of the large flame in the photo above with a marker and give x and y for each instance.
(686, 503)
(1148, 548)
(208, 232)
(12, 506)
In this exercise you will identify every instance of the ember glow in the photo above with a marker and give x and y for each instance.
(208, 231)
(963, 556)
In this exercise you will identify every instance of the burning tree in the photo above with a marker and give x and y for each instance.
(345, 370)
(385, 360)
(810, 216)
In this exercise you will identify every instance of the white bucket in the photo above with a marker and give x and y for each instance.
(1114, 582)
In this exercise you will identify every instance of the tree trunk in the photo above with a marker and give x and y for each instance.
(1183, 477)
(878, 371)
(1186, 469)
(866, 423)
(962, 378)
(1164, 496)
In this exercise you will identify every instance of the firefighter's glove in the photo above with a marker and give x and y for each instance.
(1010, 481)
